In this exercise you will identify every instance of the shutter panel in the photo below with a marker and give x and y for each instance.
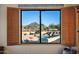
(12, 26)
(77, 28)
(68, 26)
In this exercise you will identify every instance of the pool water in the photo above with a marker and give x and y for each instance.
(44, 38)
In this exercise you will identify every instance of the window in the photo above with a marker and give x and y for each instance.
(40, 26)
(67, 26)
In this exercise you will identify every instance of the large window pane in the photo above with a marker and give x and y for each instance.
(30, 26)
(41, 26)
(50, 26)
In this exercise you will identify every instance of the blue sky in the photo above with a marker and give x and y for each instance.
(47, 17)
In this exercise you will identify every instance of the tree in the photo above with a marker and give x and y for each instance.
(57, 26)
(52, 26)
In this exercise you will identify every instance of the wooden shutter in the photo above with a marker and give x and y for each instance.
(77, 28)
(12, 26)
(68, 26)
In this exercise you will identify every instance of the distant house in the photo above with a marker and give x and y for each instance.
(57, 32)
(54, 32)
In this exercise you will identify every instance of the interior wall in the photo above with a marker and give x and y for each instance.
(46, 6)
(35, 49)
(29, 48)
(3, 23)
(67, 5)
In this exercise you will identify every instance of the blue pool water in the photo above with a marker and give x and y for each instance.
(44, 38)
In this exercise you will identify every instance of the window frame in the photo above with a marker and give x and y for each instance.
(39, 23)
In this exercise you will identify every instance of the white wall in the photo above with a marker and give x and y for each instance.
(46, 6)
(35, 49)
(29, 48)
(67, 5)
(3, 23)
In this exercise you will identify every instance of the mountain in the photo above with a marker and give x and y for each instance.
(34, 26)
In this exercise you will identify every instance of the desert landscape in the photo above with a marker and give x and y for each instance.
(31, 33)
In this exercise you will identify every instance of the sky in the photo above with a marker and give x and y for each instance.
(47, 17)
